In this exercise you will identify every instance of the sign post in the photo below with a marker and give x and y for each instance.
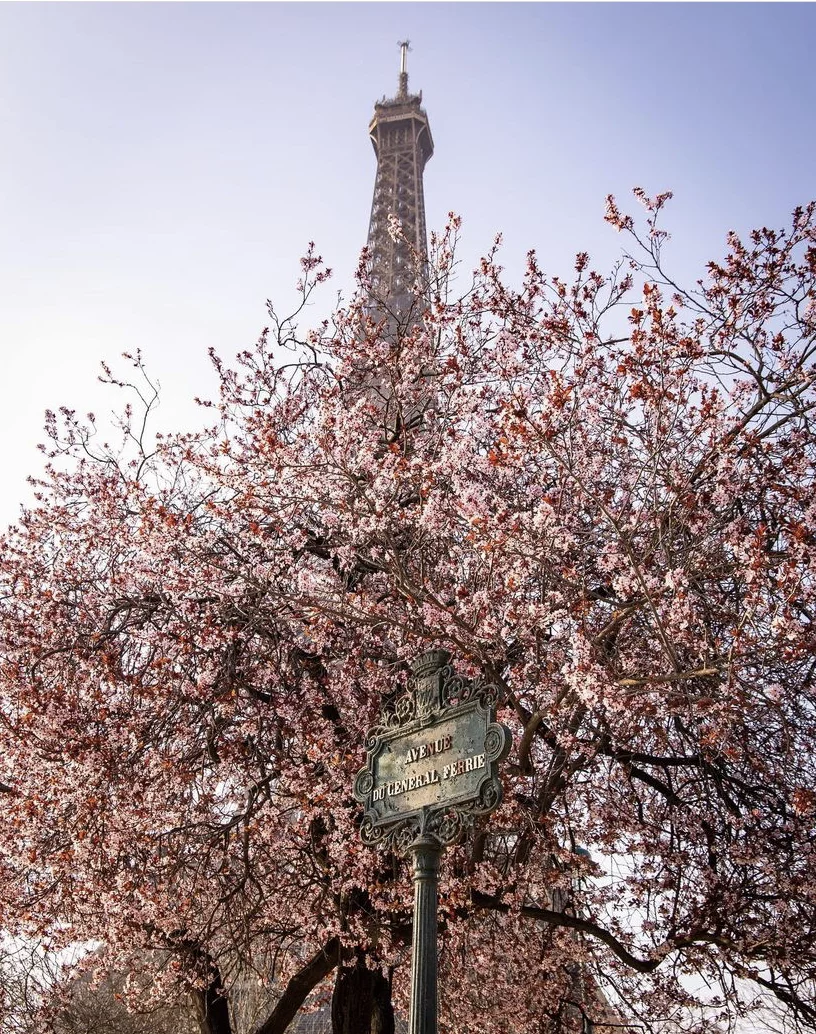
(431, 768)
(426, 851)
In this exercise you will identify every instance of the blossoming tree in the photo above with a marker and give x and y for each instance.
(596, 494)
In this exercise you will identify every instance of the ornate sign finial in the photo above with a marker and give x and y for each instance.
(426, 683)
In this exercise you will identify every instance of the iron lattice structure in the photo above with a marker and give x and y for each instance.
(402, 141)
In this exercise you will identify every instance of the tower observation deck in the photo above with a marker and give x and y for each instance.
(402, 141)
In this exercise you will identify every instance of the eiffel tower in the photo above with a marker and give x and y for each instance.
(401, 136)
(402, 141)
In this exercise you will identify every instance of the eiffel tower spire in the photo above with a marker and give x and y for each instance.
(402, 141)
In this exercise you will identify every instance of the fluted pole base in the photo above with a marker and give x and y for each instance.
(426, 851)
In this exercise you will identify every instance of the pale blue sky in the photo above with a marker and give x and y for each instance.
(165, 164)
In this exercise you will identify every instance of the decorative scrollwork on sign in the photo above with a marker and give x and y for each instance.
(497, 742)
(432, 760)
(363, 784)
(405, 709)
(434, 686)
(403, 837)
(455, 688)
(490, 796)
(486, 692)
(448, 826)
(372, 835)
(374, 737)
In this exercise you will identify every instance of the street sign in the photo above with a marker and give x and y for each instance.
(432, 763)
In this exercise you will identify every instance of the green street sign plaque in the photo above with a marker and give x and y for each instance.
(432, 763)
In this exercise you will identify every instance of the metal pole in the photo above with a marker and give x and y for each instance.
(426, 851)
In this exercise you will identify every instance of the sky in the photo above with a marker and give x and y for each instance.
(165, 165)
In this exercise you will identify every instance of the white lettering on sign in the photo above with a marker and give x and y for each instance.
(397, 787)
(427, 750)
(400, 786)
(463, 766)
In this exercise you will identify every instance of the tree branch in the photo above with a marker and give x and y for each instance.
(554, 918)
(299, 987)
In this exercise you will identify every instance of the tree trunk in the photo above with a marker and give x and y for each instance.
(361, 1003)
(211, 1008)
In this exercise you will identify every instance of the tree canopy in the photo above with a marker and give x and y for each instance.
(597, 492)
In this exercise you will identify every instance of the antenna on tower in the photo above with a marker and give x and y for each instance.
(405, 46)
